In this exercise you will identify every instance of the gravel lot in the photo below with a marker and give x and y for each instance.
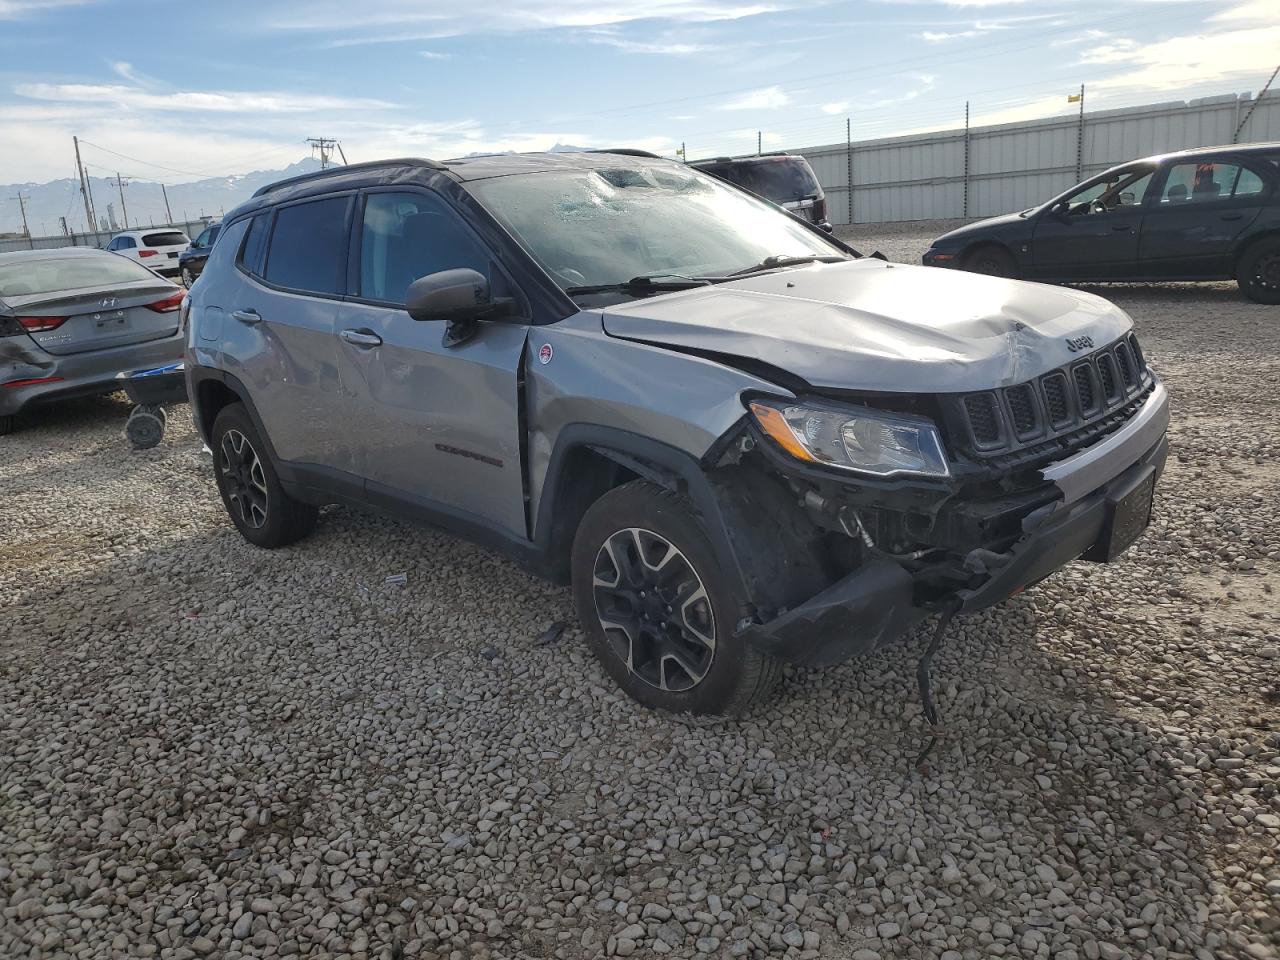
(206, 749)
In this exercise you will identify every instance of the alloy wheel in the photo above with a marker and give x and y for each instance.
(187, 278)
(244, 479)
(654, 609)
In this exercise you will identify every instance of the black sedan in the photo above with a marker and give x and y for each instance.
(191, 260)
(1206, 214)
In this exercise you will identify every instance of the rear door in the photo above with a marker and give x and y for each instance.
(437, 426)
(77, 304)
(278, 335)
(1201, 207)
(166, 245)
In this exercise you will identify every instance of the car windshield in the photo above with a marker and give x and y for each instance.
(780, 179)
(29, 277)
(606, 226)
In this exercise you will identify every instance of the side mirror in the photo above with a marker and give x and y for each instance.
(1126, 199)
(1063, 212)
(449, 295)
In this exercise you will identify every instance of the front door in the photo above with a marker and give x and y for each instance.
(1092, 234)
(436, 426)
(1202, 207)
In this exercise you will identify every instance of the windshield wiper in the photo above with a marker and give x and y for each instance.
(643, 284)
(781, 260)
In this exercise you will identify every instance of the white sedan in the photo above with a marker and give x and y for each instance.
(157, 249)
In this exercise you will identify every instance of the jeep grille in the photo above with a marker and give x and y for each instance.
(1057, 405)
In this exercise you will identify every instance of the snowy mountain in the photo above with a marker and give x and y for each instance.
(143, 200)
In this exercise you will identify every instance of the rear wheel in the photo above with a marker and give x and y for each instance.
(264, 514)
(1258, 271)
(188, 278)
(658, 611)
(993, 261)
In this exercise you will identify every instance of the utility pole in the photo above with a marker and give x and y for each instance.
(1079, 133)
(22, 204)
(326, 145)
(84, 190)
(66, 231)
(124, 211)
(965, 208)
(167, 212)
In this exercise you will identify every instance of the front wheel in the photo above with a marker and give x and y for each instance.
(1258, 271)
(658, 611)
(993, 261)
(264, 514)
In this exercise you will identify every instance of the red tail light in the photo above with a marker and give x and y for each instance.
(168, 304)
(41, 324)
(32, 381)
(147, 253)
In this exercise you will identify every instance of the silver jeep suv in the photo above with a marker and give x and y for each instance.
(741, 442)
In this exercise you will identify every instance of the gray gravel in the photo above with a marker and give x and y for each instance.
(210, 750)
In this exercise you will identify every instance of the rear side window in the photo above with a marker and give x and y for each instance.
(1209, 180)
(308, 249)
(169, 238)
(255, 246)
(124, 243)
(405, 236)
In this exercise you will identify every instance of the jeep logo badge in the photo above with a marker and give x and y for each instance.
(1076, 344)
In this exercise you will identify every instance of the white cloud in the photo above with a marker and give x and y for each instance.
(20, 9)
(192, 100)
(1182, 62)
(939, 36)
(770, 98)
(672, 47)
(433, 55)
(838, 107)
(390, 21)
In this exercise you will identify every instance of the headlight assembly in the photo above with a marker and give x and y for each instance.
(854, 438)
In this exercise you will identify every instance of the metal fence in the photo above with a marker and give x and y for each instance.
(192, 228)
(984, 171)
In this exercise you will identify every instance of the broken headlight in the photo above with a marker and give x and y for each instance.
(854, 438)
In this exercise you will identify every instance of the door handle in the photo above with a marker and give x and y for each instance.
(249, 317)
(1118, 228)
(1233, 216)
(361, 338)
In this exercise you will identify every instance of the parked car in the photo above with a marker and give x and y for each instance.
(73, 318)
(156, 249)
(783, 178)
(1207, 214)
(191, 260)
(739, 442)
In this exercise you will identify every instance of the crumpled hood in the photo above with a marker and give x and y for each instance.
(876, 326)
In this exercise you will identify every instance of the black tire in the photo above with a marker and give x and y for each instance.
(6, 424)
(145, 426)
(642, 516)
(1258, 271)
(993, 261)
(188, 278)
(264, 514)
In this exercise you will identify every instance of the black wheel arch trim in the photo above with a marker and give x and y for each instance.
(654, 460)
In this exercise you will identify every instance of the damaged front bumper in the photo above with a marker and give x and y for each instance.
(1103, 505)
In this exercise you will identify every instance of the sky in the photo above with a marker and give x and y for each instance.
(178, 91)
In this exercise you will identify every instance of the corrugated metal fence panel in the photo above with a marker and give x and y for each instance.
(1014, 166)
(191, 228)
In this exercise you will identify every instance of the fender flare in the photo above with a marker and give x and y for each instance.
(657, 462)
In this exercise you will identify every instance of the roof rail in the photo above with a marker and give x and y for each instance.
(628, 152)
(333, 171)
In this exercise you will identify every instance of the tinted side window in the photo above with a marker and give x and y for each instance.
(205, 238)
(1208, 180)
(255, 245)
(126, 243)
(405, 236)
(308, 249)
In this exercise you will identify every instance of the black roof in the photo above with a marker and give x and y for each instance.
(463, 169)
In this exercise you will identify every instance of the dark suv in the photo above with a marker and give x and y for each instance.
(782, 178)
(739, 441)
(1207, 214)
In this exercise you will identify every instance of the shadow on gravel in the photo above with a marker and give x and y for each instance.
(209, 723)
